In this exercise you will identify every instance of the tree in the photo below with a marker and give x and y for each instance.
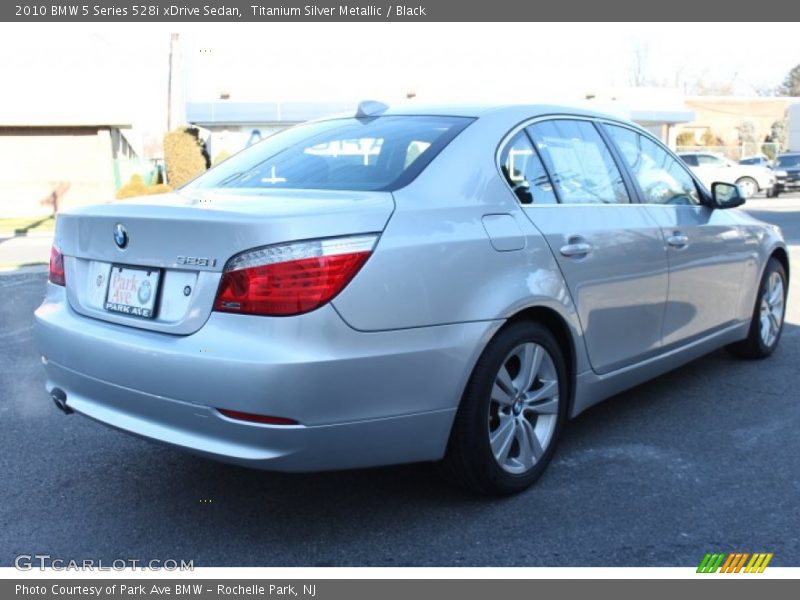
(747, 132)
(791, 83)
(185, 156)
(686, 138)
(640, 65)
(778, 133)
(711, 139)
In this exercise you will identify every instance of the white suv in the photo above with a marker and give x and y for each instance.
(711, 167)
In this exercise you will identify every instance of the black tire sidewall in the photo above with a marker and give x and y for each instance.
(773, 266)
(476, 403)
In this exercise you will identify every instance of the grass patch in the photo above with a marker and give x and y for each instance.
(26, 225)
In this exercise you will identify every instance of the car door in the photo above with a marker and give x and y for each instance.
(706, 249)
(711, 168)
(610, 251)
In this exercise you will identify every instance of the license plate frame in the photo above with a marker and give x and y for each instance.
(123, 283)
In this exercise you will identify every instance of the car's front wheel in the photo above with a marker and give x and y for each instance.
(766, 324)
(748, 185)
(511, 413)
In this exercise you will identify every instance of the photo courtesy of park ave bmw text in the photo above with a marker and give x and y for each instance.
(346, 299)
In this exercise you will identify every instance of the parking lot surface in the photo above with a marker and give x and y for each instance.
(703, 459)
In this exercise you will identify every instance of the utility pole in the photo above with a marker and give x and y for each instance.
(173, 41)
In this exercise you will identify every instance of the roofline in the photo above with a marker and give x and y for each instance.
(68, 125)
(743, 98)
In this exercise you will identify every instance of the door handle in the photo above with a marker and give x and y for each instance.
(576, 249)
(678, 240)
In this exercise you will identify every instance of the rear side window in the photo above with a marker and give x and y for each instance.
(689, 159)
(579, 162)
(708, 159)
(379, 153)
(524, 172)
(660, 177)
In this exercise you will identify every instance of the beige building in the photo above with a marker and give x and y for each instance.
(49, 166)
(723, 114)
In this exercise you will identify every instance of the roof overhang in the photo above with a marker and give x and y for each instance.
(227, 113)
(661, 117)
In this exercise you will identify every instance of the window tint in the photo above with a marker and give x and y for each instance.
(579, 163)
(689, 159)
(524, 172)
(661, 178)
(383, 153)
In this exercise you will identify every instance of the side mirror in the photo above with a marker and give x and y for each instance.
(726, 195)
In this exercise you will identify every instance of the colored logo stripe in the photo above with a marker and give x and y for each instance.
(734, 562)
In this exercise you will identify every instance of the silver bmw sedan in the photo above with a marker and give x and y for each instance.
(405, 284)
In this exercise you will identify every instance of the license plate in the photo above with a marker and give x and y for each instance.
(132, 291)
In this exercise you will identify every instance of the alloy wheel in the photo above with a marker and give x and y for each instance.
(772, 304)
(523, 408)
(749, 188)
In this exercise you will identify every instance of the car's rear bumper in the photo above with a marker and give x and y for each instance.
(360, 399)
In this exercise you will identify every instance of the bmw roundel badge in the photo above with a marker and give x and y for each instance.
(120, 236)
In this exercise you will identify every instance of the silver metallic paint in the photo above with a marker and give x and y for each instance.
(376, 376)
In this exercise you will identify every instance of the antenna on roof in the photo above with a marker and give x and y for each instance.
(370, 108)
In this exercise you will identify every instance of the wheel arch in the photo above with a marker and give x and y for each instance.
(558, 326)
(782, 257)
(751, 178)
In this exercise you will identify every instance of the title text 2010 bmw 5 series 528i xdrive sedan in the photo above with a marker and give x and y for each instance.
(405, 284)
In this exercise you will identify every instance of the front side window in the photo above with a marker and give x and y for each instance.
(660, 177)
(380, 153)
(580, 165)
(524, 172)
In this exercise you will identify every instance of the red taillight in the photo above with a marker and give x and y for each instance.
(291, 279)
(56, 274)
(253, 418)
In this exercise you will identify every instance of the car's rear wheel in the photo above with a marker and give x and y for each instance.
(511, 413)
(766, 324)
(748, 185)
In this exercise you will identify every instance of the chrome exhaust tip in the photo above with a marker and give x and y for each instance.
(59, 396)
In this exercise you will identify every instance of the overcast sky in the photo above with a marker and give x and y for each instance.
(122, 68)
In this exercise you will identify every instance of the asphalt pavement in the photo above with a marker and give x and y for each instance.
(26, 250)
(703, 459)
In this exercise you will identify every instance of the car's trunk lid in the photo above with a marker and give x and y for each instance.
(181, 242)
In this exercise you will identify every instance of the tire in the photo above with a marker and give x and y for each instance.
(748, 185)
(766, 324)
(523, 415)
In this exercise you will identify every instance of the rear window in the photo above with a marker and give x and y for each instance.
(378, 153)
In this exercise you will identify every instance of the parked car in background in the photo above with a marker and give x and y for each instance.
(710, 167)
(479, 276)
(787, 172)
(759, 161)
